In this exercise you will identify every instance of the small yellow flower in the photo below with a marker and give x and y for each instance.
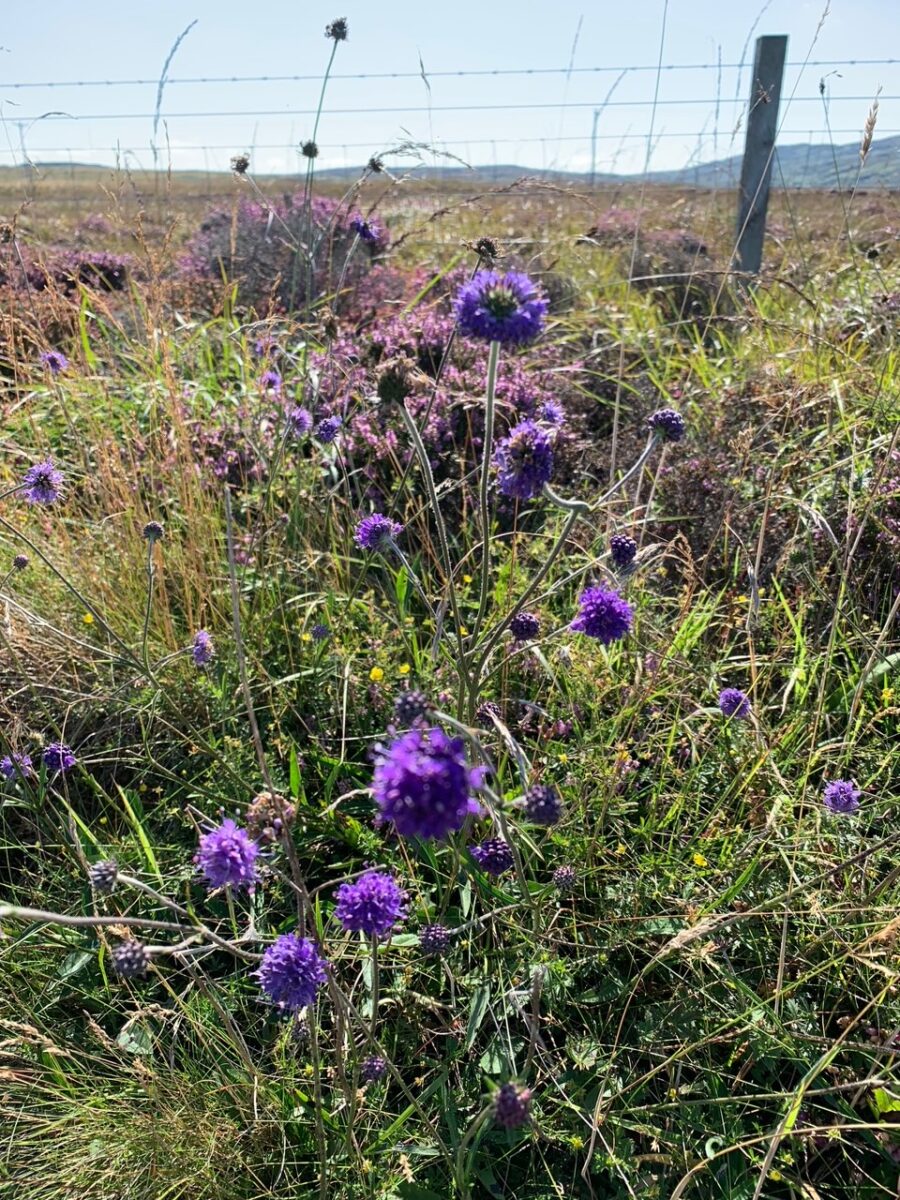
(467, 578)
(887, 695)
(305, 637)
(564, 758)
(308, 1071)
(621, 848)
(88, 618)
(376, 674)
(463, 632)
(700, 861)
(403, 669)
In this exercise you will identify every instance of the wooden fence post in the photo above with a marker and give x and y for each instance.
(759, 151)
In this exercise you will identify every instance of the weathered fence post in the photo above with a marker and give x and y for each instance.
(759, 151)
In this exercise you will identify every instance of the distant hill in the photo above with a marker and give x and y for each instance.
(799, 166)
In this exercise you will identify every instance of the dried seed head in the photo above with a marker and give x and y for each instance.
(240, 163)
(309, 149)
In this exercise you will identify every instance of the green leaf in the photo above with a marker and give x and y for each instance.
(135, 1039)
(74, 963)
(884, 1101)
(294, 773)
(481, 998)
(412, 1191)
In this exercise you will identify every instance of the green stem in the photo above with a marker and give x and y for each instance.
(144, 649)
(484, 495)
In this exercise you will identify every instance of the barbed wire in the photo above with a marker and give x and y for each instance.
(484, 72)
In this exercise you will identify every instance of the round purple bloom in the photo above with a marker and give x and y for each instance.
(434, 939)
(372, 904)
(373, 1068)
(20, 562)
(622, 550)
(840, 796)
(202, 649)
(103, 875)
(552, 413)
(422, 784)
(42, 483)
(227, 855)
(524, 627)
(16, 764)
(58, 757)
(327, 429)
(543, 805)
(734, 703)
(565, 878)
(511, 1105)
(669, 424)
(500, 308)
(603, 615)
(153, 531)
(486, 711)
(270, 381)
(292, 971)
(55, 361)
(524, 461)
(299, 421)
(367, 231)
(320, 632)
(376, 532)
(130, 959)
(409, 707)
(493, 856)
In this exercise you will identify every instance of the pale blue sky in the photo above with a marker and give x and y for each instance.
(61, 40)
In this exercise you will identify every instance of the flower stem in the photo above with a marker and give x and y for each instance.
(484, 494)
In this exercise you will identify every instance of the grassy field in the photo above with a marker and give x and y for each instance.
(684, 983)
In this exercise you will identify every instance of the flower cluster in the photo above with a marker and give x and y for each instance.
(603, 615)
(841, 796)
(376, 532)
(493, 856)
(524, 461)
(42, 483)
(500, 308)
(372, 904)
(227, 857)
(734, 704)
(292, 971)
(422, 784)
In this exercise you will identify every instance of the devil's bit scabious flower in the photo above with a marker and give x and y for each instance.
(422, 784)
(841, 796)
(367, 231)
(486, 711)
(376, 532)
(309, 149)
(42, 483)
(500, 308)
(202, 648)
(327, 429)
(270, 381)
(16, 764)
(373, 1068)
(55, 361)
(130, 959)
(486, 248)
(524, 461)
(299, 421)
(543, 805)
(493, 856)
(734, 703)
(434, 939)
(227, 855)
(565, 878)
(320, 632)
(511, 1105)
(337, 29)
(603, 615)
(524, 627)
(372, 904)
(20, 562)
(58, 757)
(668, 423)
(103, 875)
(292, 971)
(409, 707)
(552, 413)
(622, 550)
(268, 816)
(153, 531)
(240, 164)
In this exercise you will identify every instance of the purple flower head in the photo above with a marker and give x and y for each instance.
(130, 959)
(565, 878)
(622, 550)
(543, 805)
(299, 421)
(367, 231)
(372, 904)
(202, 648)
(104, 875)
(734, 703)
(55, 361)
(265, 347)
(422, 784)
(153, 531)
(58, 757)
(552, 413)
(840, 796)
(42, 483)
(668, 423)
(20, 562)
(603, 615)
(524, 461)
(327, 430)
(320, 633)
(524, 627)
(434, 940)
(500, 308)
(493, 856)
(410, 707)
(16, 764)
(376, 532)
(373, 1068)
(485, 712)
(511, 1105)
(227, 855)
(270, 381)
(292, 971)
